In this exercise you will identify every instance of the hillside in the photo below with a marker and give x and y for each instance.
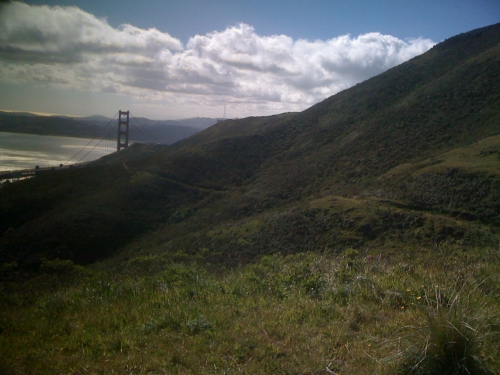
(360, 236)
(411, 150)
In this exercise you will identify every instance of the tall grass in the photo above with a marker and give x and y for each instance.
(310, 314)
(457, 327)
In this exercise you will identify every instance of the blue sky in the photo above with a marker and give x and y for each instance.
(312, 19)
(177, 59)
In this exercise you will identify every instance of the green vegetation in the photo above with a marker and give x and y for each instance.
(361, 236)
(430, 312)
(414, 147)
(452, 340)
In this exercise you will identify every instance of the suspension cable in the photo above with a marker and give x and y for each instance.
(99, 135)
(98, 143)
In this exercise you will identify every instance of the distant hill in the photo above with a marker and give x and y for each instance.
(96, 118)
(411, 156)
(145, 130)
(196, 122)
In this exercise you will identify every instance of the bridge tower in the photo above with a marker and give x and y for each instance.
(123, 119)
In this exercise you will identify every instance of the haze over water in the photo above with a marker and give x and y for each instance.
(26, 151)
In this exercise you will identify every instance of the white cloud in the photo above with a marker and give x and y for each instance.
(67, 47)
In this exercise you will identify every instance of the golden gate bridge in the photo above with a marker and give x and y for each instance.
(112, 137)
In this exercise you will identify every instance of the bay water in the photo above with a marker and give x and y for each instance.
(26, 151)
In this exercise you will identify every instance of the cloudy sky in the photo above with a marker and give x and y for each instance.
(168, 59)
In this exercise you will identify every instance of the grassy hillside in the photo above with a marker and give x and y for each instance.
(359, 236)
(416, 142)
(353, 313)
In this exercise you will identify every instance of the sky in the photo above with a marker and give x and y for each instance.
(171, 59)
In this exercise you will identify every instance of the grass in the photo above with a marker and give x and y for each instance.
(458, 326)
(306, 243)
(352, 313)
(482, 157)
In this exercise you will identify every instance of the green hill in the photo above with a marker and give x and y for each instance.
(416, 144)
(359, 236)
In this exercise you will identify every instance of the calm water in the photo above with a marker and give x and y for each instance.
(25, 151)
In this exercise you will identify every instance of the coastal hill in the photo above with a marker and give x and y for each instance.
(410, 154)
(360, 236)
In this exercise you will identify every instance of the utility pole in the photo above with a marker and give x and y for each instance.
(122, 141)
(223, 118)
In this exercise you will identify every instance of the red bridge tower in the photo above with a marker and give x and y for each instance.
(123, 118)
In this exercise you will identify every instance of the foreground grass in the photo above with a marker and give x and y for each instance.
(303, 314)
